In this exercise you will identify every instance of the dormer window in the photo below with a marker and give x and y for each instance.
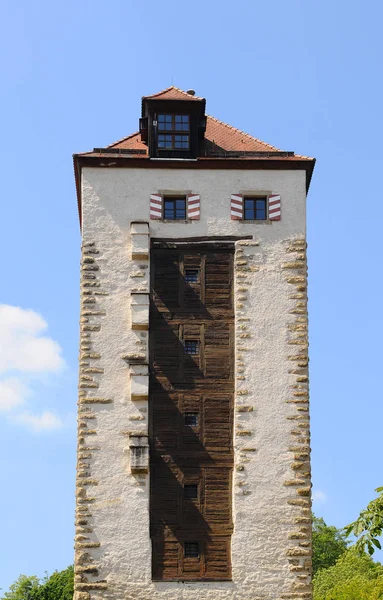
(173, 132)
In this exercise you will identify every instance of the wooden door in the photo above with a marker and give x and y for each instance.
(191, 412)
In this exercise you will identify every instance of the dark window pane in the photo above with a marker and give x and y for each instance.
(191, 550)
(255, 209)
(191, 346)
(191, 491)
(249, 213)
(174, 208)
(260, 214)
(181, 141)
(191, 275)
(260, 208)
(161, 118)
(191, 419)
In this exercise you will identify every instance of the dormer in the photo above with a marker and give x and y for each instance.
(173, 124)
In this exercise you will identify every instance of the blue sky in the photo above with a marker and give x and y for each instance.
(302, 76)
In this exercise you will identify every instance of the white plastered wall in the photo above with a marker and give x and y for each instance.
(270, 544)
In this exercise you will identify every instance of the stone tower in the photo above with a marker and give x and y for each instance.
(193, 475)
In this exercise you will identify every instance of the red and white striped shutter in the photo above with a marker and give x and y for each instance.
(155, 206)
(194, 207)
(236, 207)
(274, 207)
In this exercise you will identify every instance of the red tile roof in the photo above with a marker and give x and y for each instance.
(220, 135)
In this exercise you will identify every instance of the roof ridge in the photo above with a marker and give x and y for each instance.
(274, 148)
(127, 137)
(173, 87)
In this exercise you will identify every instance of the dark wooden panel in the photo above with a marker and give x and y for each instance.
(202, 384)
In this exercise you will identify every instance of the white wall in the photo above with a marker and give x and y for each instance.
(271, 541)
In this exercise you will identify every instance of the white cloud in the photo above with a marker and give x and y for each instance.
(22, 348)
(319, 497)
(26, 357)
(12, 393)
(47, 421)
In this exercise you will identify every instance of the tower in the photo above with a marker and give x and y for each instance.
(193, 476)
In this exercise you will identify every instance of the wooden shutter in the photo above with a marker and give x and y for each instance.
(156, 206)
(274, 207)
(217, 558)
(217, 421)
(194, 207)
(236, 207)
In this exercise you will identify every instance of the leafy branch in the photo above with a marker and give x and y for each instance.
(368, 527)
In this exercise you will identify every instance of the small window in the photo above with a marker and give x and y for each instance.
(191, 275)
(191, 419)
(191, 549)
(191, 491)
(173, 132)
(175, 208)
(191, 346)
(255, 209)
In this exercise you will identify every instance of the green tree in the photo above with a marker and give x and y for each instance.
(368, 526)
(23, 587)
(353, 577)
(58, 586)
(328, 544)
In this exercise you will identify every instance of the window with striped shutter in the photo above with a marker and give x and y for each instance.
(237, 207)
(193, 207)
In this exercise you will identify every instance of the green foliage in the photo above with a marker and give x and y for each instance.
(368, 526)
(353, 577)
(21, 588)
(58, 586)
(328, 544)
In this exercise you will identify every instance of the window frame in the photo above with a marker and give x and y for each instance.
(254, 198)
(197, 346)
(193, 281)
(192, 543)
(174, 198)
(190, 487)
(189, 413)
(173, 132)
